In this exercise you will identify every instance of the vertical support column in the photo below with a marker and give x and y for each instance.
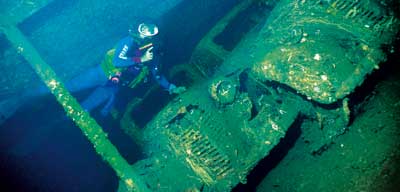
(81, 118)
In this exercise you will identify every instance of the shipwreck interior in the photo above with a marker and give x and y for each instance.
(279, 95)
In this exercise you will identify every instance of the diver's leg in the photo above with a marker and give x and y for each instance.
(88, 79)
(98, 96)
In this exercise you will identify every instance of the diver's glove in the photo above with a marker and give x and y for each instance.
(172, 89)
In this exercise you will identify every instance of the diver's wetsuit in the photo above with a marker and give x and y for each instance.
(124, 59)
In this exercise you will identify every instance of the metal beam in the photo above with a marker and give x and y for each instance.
(89, 127)
(17, 11)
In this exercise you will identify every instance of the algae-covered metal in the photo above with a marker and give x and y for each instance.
(212, 136)
(324, 49)
(217, 142)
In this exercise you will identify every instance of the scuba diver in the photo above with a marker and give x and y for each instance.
(127, 64)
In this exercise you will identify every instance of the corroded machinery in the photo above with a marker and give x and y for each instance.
(303, 60)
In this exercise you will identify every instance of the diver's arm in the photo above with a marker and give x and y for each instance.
(170, 87)
(161, 80)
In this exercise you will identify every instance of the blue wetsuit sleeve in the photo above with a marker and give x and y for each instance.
(120, 58)
(158, 77)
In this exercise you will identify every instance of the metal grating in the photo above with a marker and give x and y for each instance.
(357, 10)
(202, 152)
(214, 129)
